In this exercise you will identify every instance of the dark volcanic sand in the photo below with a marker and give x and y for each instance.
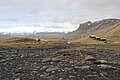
(54, 64)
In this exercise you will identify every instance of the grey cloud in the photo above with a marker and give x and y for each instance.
(10, 20)
(74, 11)
(91, 10)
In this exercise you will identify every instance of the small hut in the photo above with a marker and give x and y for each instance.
(98, 38)
(92, 36)
(103, 39)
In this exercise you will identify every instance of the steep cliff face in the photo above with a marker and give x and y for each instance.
(89, 27)
(85, 26)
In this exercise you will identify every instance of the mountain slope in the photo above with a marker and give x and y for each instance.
(112, 35)
(88, 28)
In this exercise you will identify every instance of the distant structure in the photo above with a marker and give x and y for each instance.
(103, 39)
(41, 40)
(68, 42)
(38, 40)
(97, 38)
(92, 36)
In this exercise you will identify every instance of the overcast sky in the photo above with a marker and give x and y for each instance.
(53, 15)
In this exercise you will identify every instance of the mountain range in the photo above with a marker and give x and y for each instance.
(34, 35)
(89, 27)
(107, 28)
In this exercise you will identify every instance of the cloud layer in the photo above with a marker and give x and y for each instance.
(15, 13)
(63, 27)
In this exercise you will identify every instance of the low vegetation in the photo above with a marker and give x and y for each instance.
(28, 42)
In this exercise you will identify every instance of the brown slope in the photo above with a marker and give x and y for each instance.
(88, 28)
(112, 34)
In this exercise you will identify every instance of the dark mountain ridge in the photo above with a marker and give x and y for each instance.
(89, 27)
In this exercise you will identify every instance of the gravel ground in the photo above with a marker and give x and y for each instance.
(59, 63)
